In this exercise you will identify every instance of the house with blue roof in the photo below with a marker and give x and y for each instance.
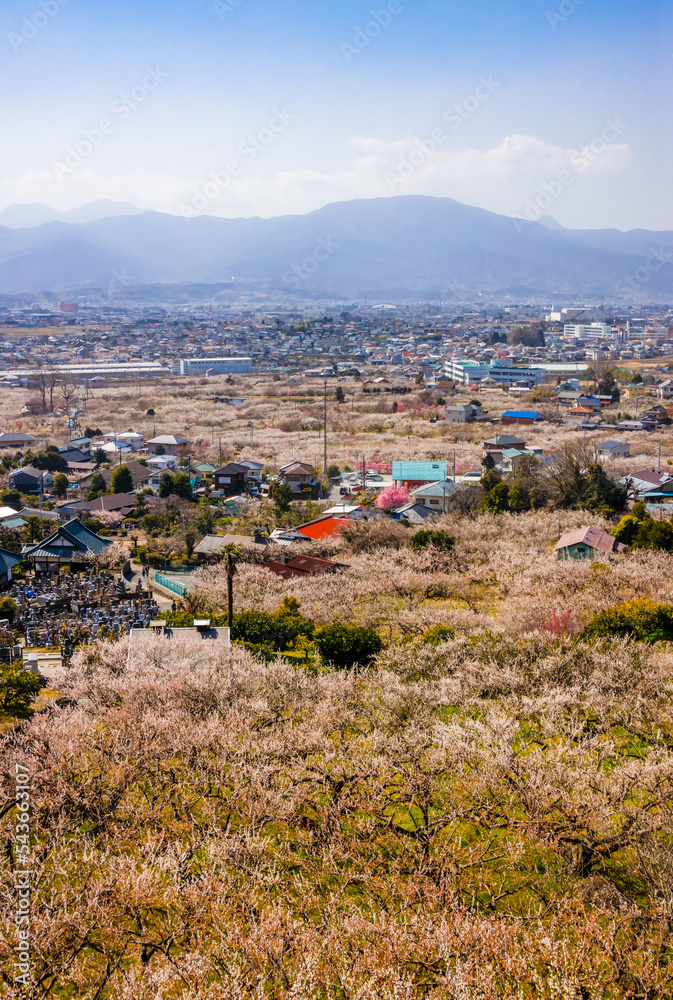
(521, 417)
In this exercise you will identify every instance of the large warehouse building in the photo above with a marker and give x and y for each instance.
(221, 366)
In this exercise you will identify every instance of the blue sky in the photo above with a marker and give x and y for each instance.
(487, 102)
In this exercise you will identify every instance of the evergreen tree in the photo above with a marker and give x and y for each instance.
(122, 480)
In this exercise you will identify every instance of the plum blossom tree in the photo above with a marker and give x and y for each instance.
(392, 496)
(109, 518)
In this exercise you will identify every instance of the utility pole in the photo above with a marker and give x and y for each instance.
(454, 465)
(325, 431)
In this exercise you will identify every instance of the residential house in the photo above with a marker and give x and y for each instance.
(230, 478)
(440, 497)
(206, 470)
(665, 389)
(30, 480)
(579, 416)
(115, 450)
(254, 470)
(7, 514)
(298, 476)
(211, 547)
(413, 474)
(119, 503)
(302, 566)
(512, 458)
(461, 414)
(8, 560)
(72, 545)
(17, 441)
(130, 439)
(496, 447)
(575, 397)
(655, 413)
(172, 444)
(159, 463)
(521, 417)
(646, 481)
(633, 425)
(75, 456)
(141, 475)
(584, 543)
(500, 443)
(414, 513)
(316, 530)
(81, 444)
(613, 449)
(591, 403)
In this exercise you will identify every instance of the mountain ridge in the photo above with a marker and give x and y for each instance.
(419, 244)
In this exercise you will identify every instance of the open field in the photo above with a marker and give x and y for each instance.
(288, 420)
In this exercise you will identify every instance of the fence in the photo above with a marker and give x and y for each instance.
(175, 588)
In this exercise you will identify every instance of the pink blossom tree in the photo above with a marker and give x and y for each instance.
(392, 496)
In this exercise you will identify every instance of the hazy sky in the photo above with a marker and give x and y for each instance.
(299, 103)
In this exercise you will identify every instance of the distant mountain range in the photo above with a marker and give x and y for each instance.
(390, 248)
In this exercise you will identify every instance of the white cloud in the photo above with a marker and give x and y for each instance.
(144, 188)
(500, 178)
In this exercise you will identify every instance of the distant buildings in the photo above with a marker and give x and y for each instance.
(498, 371)
(215, 366)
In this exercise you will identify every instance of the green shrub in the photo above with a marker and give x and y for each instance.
(260, 650)
(345, 646)
(262, 629)
(438, 539)
(18, 687)
(179, 619)
(437, 634)
(496, 501)
(8, 608)
(644, 620)
(255, 628)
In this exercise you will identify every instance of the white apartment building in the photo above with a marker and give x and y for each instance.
(584, 331)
